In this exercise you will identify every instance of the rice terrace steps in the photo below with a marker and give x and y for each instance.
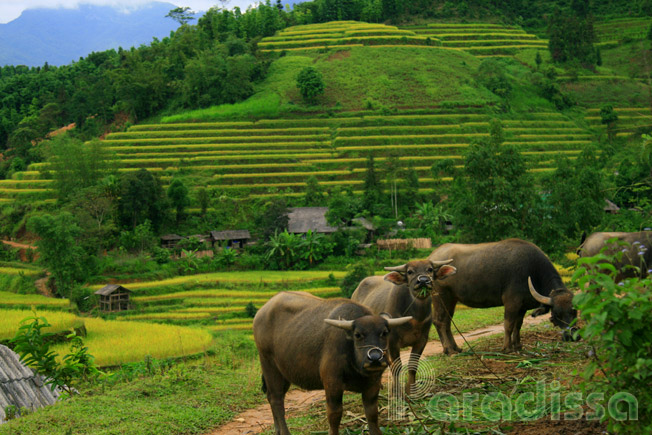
(479, 39)
(276, 156)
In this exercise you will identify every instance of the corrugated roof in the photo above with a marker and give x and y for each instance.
(302, 219)
(230, 235)
(20, 386)
(109, 288)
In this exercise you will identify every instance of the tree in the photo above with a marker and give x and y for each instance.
(575, 199)
(608, 117)
(203, 198)
(141, 198)
(272, 219)
(571, 34)
(493, 197)
(178, 195)
(314, 195)
(538, 60)
(60, 250)
(492, 75)
(75, 166)
(372, 191)
(181, 15)
(310, 84)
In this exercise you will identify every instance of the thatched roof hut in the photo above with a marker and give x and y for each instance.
(20, 386)
(303, 219)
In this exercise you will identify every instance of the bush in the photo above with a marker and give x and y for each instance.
(33, 346)
(310, 84)
(357, 272)
(84, 298)
(617, 320)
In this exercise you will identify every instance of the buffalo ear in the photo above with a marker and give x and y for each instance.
(445, 271)
(395, 278)
(540, 311)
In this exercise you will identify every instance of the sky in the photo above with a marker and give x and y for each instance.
(11, 9)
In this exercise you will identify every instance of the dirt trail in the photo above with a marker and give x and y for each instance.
(256, 420)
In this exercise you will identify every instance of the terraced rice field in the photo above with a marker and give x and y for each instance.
(629, 119)
(481, 39)
(340, 34)
(276, 156)
(9, 299)
(615, 31)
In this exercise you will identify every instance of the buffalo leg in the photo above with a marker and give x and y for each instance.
(443, 311)
(276, 386)
(370, 403)
(516, 333)
(334, 409)
(413, 364)
(513, 319)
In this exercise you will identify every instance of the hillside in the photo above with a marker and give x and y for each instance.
(423, 107)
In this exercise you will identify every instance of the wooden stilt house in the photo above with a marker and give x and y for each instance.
(114, 297)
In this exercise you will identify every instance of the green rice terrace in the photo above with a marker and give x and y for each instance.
(275, 156)
(476, 38)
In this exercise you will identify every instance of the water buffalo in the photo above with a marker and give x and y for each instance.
(636, 259)
(315, 343)
(513, 273)
(405, 291)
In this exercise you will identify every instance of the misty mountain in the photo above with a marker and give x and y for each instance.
(59, 36)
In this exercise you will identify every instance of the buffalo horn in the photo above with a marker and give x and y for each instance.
(398, 321)
(441, 262)
(540, 298)
(401, 268)
(344, 324)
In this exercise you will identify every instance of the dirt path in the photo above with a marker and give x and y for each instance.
(256, 420)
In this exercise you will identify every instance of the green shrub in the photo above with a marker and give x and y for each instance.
(84, 297)
(33, 346)
(357, 272)
(617, 318)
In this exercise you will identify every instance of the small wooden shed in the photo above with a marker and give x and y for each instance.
(114, 297)
(233, 238)
(170, 240)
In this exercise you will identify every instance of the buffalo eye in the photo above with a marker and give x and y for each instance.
(430, 270)
(358, 336)
(410, 272)
(384, 333)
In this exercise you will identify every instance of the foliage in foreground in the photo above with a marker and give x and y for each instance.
(33, 346)
(617, 318)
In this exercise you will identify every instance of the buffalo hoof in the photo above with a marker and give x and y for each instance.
(452, 351)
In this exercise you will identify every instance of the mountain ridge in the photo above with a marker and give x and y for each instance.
(60, 36)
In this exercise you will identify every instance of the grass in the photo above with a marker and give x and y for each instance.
(190, 397)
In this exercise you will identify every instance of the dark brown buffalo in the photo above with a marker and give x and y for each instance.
(495, 274)
(315, 343)
(636, 248)
(405, 291)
